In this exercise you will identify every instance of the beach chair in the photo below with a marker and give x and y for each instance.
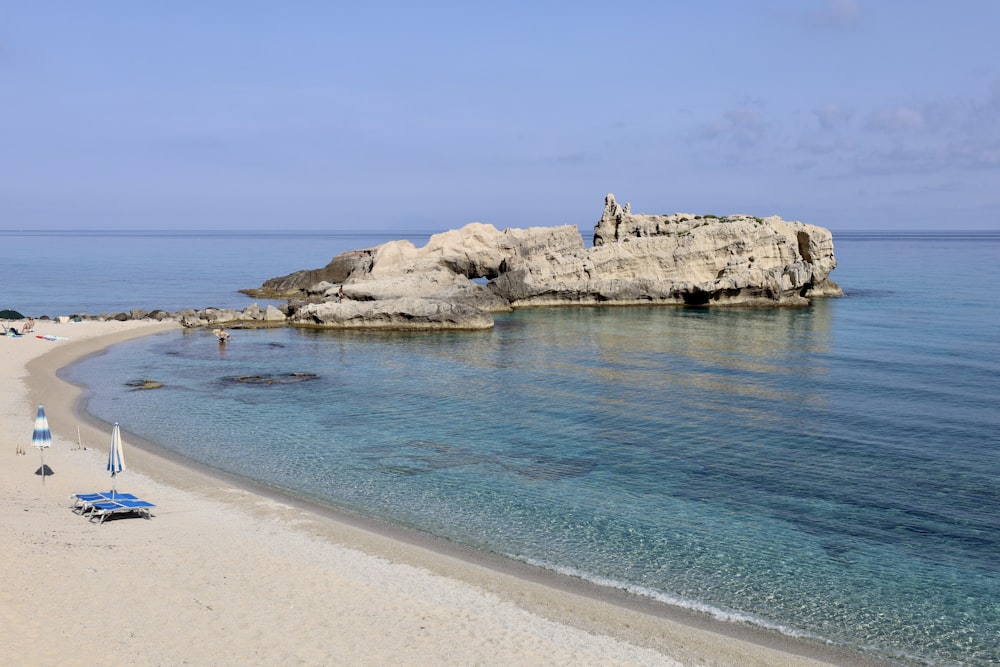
(83, 503)
(102, 511)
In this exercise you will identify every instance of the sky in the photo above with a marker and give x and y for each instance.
(382, 116)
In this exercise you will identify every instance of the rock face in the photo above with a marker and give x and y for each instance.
(733, 260)
(440, 270)
(635, 259)
(402, 313)
(678, 259)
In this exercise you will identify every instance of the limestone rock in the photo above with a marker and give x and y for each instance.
(272, 314)
(635, 259)
(402, 313)
(289, 286)
(732, 260)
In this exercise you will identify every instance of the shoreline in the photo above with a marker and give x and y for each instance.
(529, 615)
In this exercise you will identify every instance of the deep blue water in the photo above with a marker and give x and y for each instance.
(831, 472)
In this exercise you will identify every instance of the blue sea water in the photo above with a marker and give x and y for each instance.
(829, 472)
(68, 272)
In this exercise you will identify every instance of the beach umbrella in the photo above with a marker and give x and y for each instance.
(10, 315)
(41, 437)
(116, 460)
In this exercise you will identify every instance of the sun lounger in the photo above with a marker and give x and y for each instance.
(102, 511)
(83, 503)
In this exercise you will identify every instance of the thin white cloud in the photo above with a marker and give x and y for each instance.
(898, 119)
(931, 136)
(973, 154)
(985, 115)
(832, 117)
(736, 128)
(840, 14)
(938, 135)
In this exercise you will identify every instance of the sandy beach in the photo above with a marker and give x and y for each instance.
(226, 574)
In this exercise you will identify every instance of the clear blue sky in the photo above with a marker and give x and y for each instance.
(850, 114)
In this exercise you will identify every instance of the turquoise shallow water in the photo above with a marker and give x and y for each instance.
(831, 472)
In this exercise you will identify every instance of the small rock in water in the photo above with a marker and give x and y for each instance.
(286, 378)
(144, 384)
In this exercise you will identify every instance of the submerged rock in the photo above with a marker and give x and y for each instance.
(144, 384)
(286, 378)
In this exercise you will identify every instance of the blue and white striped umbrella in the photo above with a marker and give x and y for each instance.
(116, 459)
(41, 437)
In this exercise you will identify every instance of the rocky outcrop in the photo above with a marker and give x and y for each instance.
(402, 313)
(251, 316)
(440, 270)
(462, 276)
(681, 259)
(144, 384)
(337, 271)
(635, 259)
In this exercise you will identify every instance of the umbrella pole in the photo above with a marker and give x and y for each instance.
(41, 453)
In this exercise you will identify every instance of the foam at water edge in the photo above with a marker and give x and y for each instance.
(715, 612)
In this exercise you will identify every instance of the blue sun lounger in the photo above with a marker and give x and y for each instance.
(102, 511)
(83, 503)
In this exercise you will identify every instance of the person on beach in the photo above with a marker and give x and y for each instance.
(340, 294)
(29, 326)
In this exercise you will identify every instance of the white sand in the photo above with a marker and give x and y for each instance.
(223, 576)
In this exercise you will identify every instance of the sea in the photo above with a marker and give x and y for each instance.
(829, 472)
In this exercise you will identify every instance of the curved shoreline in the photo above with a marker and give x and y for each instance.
(575, 605)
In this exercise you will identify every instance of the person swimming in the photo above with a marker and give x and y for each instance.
(222, 335)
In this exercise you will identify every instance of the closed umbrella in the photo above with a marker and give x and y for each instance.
(116, 460)
(41, 437)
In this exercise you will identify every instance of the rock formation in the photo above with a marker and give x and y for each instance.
(401, 313)
(462, 276)
(678, 259)
(441, 270)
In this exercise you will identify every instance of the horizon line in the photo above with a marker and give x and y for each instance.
(394, 232)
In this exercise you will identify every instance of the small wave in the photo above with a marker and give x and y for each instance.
(729, 616)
